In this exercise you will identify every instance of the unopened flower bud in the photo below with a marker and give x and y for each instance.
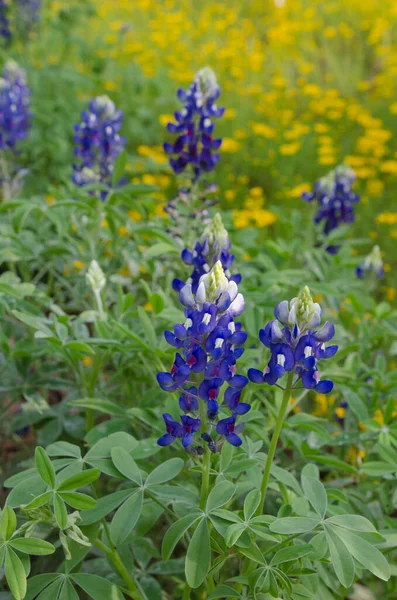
(95, 277)
(303, 311)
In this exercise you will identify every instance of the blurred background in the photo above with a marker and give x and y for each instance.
(306, 85)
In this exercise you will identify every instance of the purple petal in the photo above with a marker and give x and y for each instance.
(256, 376)
(166, 439)
(326, 332)
(234, 439)
(324, 386)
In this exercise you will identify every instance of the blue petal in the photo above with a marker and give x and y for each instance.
(166, 439)
(256, 376)
(234, 439)
(238, 381)
(326, 332)
(242, 408)
(281, 312)
(324, 386)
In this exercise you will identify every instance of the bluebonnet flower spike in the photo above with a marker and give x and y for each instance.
(373, 264)
(209, 343)
(97, 142)
(195, 145)
(335, 200)
(296, 344)
(214, 245)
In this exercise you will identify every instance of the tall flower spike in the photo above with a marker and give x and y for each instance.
(209, 344)
(5, 31)
(296, 344)
(335, 199)
(195, 145)
(214, 246)
(14, 106)
(372, 265)
(97, 143)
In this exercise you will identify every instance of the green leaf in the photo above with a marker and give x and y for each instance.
(34, 322)
(292, 525)
(39, 582)
(223, 591)
(165, 472)
(119, 168)
(45, 467)
(159, 249)
(198, 557)
(251, 503)
(220, 494)
(357, 405)
(68, 592)
(99, 455)
(78, 500)
(291, 553)
(174, 534)
(79, 348)
(8, 523)
(148, 328)
(316, 493)
(330, 461)
(34, 546)
(104, 506)
(61, 514)
(64, 449)
(15, 574)
(52, 591)
(286, 478)
(126, 465)
(366, 554)
(341, 558)
(234, 533)
(39, 501)
(97, 587)
(126, 518)
(354, 522)
(377, 468)
(79, 480)
(101, 405)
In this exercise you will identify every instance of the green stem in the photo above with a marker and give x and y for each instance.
(114, 557)
(205, 481)
(274, 441)
(186, 592)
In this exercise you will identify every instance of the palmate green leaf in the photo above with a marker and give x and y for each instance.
(97, 587)
(104, 506)
(354, 522)
(78, 500)
(126, 465)
(39, 501)
(366, 554)
(101, 405)
(45, 467)
(15, 574)
(8, 523)
(175, 533)
(340, 557)
(234, 533)
(292, 525)
(159, 249)
(64, 449)
(79, 480)
(99, 455)
(34, 546)
(198, 557)
(251, 503)
(165, 472)
(68, 592)
(40, 582)
(52, 591)
(316, 493)
(126, 518)
(291, 553)
(148, 328)
(377, 468)
(223, 591)
(220, 494)
(61, 514)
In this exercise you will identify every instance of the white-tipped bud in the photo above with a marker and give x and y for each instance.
(303, 311)
(216, 235)
(95, 277)
(215, 282)
(207, 82)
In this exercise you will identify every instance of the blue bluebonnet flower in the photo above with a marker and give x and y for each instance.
(195, 144)
(5, 31)
(372, 265)
(98, 142)
(214, 245)
(335, 200)
(209, 344)
(296, 344)
(15, 116)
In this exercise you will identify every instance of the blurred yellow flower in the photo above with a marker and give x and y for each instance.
(230, 145)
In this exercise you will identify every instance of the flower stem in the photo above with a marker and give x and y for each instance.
(205, 481)
(274, 440)
(114, 557)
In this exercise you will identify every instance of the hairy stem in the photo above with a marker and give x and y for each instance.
(274, 441)
(114, 557)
